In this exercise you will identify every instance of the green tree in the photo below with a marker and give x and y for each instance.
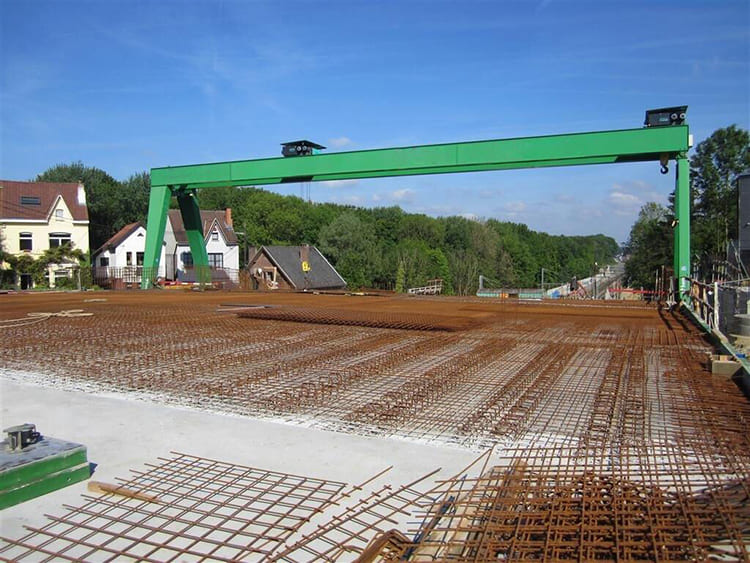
(387, 248)
(464, 266)
(7, 271)
(134, 193)
(3, 253)
(400, 278)
(649, 246)
(439, 268)
(713, 169)
(350, 243)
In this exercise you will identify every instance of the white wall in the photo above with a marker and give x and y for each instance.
(231, 253)
(220, 246)
(173, 251)
(170, 247)
(133, 244)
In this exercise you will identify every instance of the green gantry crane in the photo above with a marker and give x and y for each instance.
(665, 138)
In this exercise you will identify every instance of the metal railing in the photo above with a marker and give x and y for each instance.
(704, 301)
(718, 304)
(130, 277)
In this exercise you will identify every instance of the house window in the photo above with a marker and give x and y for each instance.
(215, 260)
(24, 241)
(30, 200)
(59, 214)
(215, 234)
(187, 259)
(128, 258)
(104, 261)
(139, 258)
(58, 239)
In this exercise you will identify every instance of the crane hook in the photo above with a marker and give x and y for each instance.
(664, 169)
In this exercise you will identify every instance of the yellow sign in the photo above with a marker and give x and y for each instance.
(305, 266)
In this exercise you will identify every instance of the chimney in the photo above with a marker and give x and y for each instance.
(81, 194)
(228, 217)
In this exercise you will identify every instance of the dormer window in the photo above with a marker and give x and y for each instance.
(30, 200)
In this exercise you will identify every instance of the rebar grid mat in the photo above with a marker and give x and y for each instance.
(541, 504)
(195, 509)
(200, 510)
(563, 504)
(572, 377)
(342, 317)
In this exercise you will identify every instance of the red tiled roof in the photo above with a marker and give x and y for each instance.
(117, 238)
(207, 219)
(15, 198)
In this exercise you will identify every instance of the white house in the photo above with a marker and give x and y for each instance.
(222, 246)
(119, 261)
(36, 216)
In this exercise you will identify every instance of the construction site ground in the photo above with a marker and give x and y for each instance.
(596, 428)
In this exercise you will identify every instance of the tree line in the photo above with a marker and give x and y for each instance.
(714, 168)
(382, 247)
(388, 248)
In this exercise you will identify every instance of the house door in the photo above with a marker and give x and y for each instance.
(26, 281)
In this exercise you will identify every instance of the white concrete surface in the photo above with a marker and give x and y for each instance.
(123, 434)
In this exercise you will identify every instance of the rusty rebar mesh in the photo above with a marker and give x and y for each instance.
(644, 504)
(205, 510)
(561, 374)
(539, 504)
(344, 317)
(194, 509)
(593, 388)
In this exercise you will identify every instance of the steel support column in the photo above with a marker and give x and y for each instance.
(682, 228)
(191, 218)
(158, 204)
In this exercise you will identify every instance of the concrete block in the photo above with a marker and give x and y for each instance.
(723, 365)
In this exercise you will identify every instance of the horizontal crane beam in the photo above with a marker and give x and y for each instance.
(603, 147)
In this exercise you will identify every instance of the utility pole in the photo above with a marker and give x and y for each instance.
(542, 283)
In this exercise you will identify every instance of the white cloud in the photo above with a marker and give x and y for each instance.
(623, 203)
(514, 207)
(643, 190)
(340, 142)
(340, 183)
(565, 198)
(405, 195)
(469, 216)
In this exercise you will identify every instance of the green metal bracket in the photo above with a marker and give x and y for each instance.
(191, 217)
(601, 147)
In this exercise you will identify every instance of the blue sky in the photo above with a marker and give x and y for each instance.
(126, 86)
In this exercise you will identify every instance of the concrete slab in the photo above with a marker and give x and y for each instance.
(123, 434)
